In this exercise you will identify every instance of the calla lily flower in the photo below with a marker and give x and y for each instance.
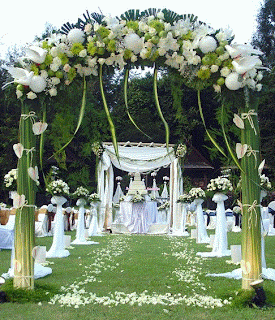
(246, 64)
(20, 75)
(36, 54)
(241, 50)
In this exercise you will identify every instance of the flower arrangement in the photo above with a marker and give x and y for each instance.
(58, 188)
(164, 206)
(181, 150)
(97, 149)
(184, 198)
(121, 199)
(10, 179)
(137, 198)
(166, 179)
(94, 197)
(265, 183)
(81, 192)
(2, 205)
(196, 193)
(195, 49)
(219, 184)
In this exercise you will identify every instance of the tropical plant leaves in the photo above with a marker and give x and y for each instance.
(132, 14)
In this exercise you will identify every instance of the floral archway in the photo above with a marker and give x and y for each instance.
(159, 38)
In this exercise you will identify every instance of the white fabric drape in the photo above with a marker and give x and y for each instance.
(118, 194)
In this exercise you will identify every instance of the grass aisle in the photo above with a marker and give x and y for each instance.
(138, 277)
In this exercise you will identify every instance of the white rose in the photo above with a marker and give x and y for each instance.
(53, 92)
(31, 95)
(83, 53)
(66, 67)
(214, 68)
(55, 80)
(54, 51)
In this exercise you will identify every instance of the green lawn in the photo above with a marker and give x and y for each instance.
(140, 277)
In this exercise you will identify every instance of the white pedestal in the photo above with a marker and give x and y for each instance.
(57, 249)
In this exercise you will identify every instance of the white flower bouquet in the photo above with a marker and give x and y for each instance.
(94, 197)
(265, 183)
(81, 192)
(97, 149)
(181, 150)
(58, 188)
(196, 193)
(184, 198)
(219, 184)
(164, 206)
(10, 179)
(137, 198)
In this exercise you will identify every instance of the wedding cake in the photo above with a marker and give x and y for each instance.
(137, 186)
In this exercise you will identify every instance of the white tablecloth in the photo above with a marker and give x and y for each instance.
(138, 217)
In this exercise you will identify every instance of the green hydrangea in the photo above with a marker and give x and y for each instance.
(132, 25)
(48, 60)
(91, 48)
(111, 46)
(64, 59)
(156, 24)
(76, 48)
(103, 32)
(204, 73)
(35, 69)
(71, 74)
(127, 54)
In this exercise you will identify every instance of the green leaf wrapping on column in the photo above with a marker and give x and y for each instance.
(111, 124)
(207, 132)
(80, 117)
(167, 132)
(126, 77)
(227, 143)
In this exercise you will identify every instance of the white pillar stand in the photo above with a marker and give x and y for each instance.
(80, 231)
(220, 241)
(202, 233)
(181, 231)
(57, 249)
(93, 229)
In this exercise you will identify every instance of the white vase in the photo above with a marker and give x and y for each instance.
(57, 249)
(202, 236)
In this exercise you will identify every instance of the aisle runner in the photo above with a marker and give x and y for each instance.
(75, 294)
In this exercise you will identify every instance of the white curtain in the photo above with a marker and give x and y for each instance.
(141, 159)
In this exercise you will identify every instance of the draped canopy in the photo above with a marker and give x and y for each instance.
(142, 158)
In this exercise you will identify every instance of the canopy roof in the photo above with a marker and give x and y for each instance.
(139, 157)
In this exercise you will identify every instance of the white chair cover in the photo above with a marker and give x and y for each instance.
(7, 234)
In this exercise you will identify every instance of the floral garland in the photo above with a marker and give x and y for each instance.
(197, 51)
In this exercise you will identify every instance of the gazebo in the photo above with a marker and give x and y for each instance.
(143, 158)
